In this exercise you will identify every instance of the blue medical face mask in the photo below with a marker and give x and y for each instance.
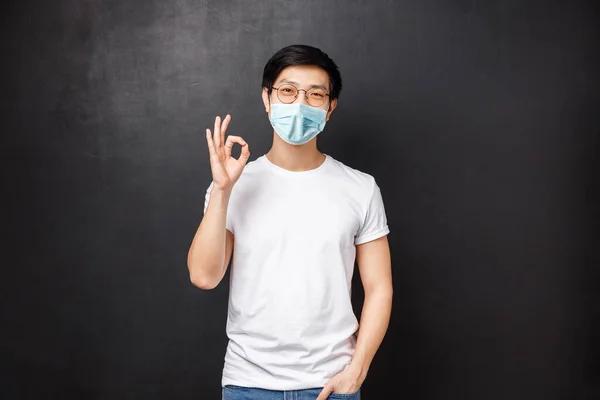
(297, 123)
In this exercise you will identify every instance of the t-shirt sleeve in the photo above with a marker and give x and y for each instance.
(375, 223)
(228, 219)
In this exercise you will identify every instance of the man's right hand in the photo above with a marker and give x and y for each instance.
(226, 170)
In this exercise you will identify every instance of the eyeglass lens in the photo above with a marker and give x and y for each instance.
(288, 93)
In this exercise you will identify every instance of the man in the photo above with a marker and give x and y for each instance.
(294, 220)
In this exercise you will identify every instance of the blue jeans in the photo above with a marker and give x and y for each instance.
(231, 392)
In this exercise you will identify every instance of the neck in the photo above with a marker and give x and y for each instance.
(295, 158)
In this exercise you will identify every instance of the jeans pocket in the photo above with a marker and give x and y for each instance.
(346, 396)
(234, 392)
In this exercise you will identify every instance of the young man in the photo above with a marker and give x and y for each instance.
(295, 220)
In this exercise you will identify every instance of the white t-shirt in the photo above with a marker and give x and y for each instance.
(290, 321)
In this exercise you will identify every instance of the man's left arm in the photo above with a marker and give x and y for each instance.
(374, 264)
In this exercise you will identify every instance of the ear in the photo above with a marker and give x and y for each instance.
(265, 98)
(332, 107)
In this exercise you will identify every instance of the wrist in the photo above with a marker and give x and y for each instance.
(358, 369)
(222, 192)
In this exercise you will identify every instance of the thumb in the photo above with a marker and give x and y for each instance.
(327, 390)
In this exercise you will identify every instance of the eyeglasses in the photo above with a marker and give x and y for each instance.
(288, 93)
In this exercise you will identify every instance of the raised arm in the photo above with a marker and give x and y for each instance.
(211, 248)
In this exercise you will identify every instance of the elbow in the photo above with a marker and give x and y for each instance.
(201, 280)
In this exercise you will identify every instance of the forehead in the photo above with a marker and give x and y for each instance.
(304, 75)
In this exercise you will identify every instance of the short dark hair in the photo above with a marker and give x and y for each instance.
(300, 54)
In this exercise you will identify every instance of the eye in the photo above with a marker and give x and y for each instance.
(317, 95)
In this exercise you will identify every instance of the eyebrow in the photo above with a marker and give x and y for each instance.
(297, 84)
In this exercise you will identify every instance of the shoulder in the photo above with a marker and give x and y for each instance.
(254, 167)
(353, 176)
(252, 179)
(253, 170)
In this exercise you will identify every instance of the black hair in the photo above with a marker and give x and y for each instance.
(300, 54)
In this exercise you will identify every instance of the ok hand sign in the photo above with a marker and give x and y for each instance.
(226, 170)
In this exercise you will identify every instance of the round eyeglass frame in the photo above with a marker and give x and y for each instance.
(306, 92)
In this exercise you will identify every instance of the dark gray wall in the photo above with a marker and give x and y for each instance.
(479, 120)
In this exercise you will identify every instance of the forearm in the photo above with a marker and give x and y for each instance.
(374, 322)
(206, 257)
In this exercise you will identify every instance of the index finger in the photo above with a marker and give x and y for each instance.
(327, 390)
